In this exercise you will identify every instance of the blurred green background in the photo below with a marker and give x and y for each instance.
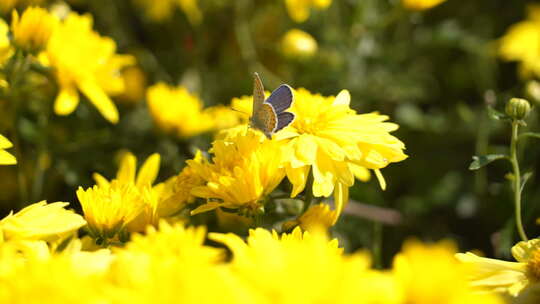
(433, 72)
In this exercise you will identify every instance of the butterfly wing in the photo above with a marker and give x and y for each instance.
(281, 99)
(258, 93)
(265, 119)
(284, 119)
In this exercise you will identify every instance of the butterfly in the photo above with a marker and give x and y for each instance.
(269, 115)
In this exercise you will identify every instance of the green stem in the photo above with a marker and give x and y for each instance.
(517, 179)
(308, 196)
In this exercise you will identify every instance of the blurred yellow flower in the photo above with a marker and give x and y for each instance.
(298, 44)
(7, 6)
(172, 265)
(41, 277)
(5, 157)
(175, 240)
(503, 276)
(85, 61)
(135, 85)
(163, 9)
(430, 274)
(299, 10)
(281, 268)
(33, 29)
(522, 43)
(177, 111)
(5, 46)
(41, 221)
(420, 5)
(223, 117)
(244, 170)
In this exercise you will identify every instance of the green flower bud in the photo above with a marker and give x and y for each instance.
(518, 108)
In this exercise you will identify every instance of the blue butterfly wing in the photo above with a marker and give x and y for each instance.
(281, 99)
(284, 119)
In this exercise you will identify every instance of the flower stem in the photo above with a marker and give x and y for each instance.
(517, 179)
(308, 196)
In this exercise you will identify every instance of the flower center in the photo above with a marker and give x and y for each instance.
(533, 266)
(307, 126)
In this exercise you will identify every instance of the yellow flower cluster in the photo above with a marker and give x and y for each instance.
(244, 170)
(299, 10)
(331, 144)
(521, 43)
(172, 264)
(163, 9)
(131, 201)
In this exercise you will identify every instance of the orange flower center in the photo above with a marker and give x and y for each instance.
(533, 266)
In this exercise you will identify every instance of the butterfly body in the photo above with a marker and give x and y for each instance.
(269, 116)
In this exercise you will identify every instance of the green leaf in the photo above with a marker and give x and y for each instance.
(496, 114)
(529, 134)
(482, 160)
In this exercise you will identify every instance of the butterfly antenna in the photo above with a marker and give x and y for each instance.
(239, 111)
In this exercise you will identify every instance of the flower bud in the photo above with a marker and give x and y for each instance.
(33, 29)
(298, 44)
(518, 108)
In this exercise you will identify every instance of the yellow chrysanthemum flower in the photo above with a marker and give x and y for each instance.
(503, 276)
(244, 170)
(85, 61)
(430, 274)
(164, 9)
(298, 44)
(172, 265)
(108, 210)
(41, 221)
(177, 111)
(299, 10)
(334, 142)
(31, 274)
(421, 5)
(157, 200)
(280, 268)
(522, 43)
(5, 157)
(32, 31)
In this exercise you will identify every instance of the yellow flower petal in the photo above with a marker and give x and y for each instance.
(523, 250)
(97, 96)
(341, 199)
(206, 207)
(128, 168)
(6, 158)
(67, 100)
(5, 143)
(149, 171)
